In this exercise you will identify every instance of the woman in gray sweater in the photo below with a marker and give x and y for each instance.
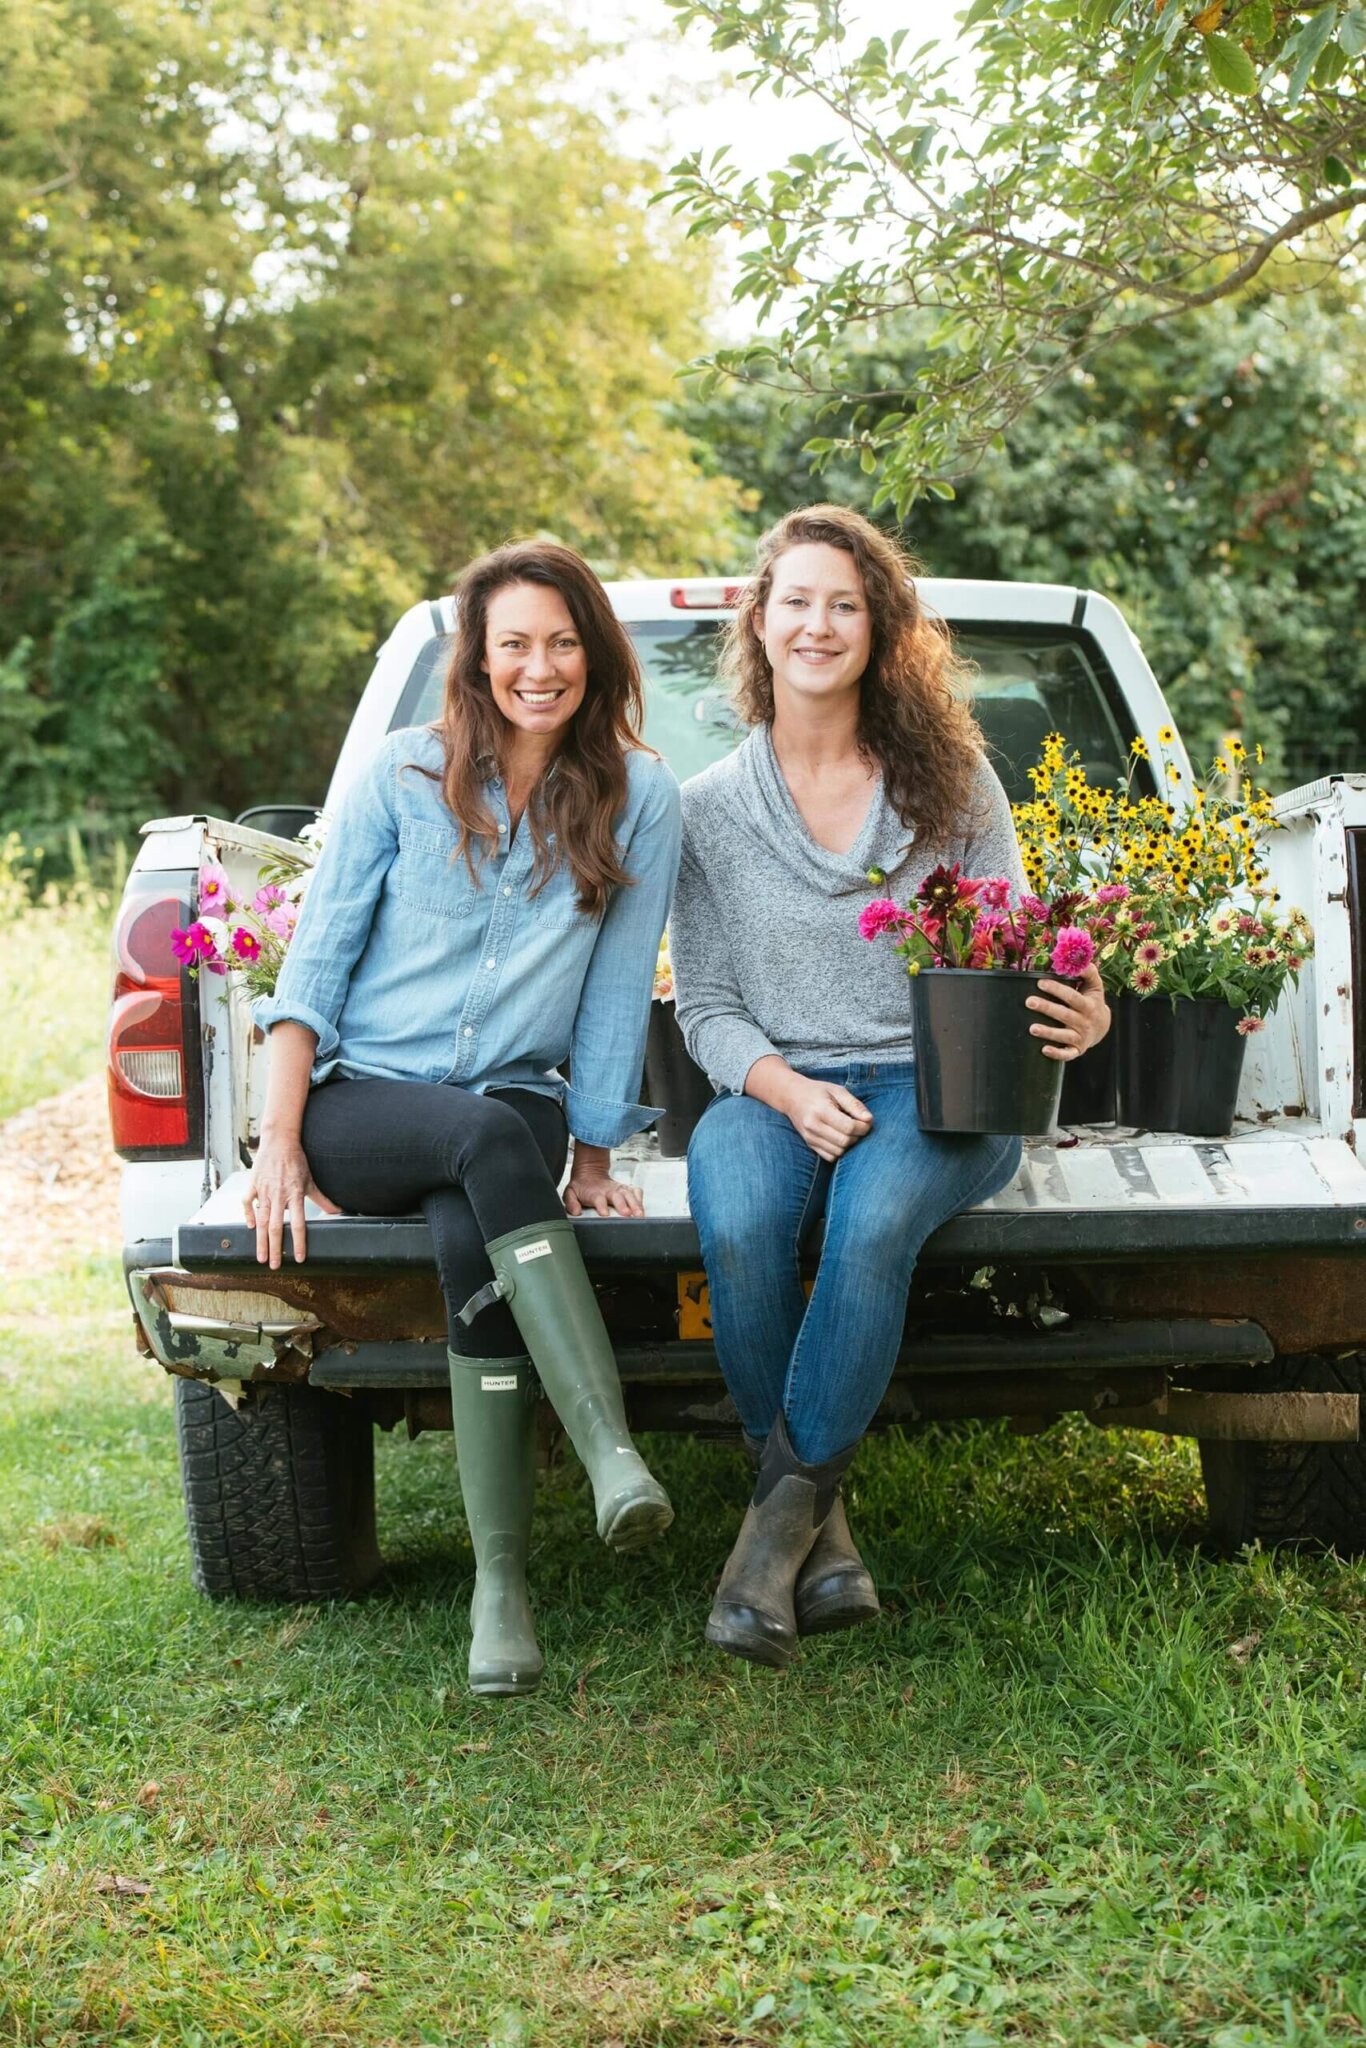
(860, 756)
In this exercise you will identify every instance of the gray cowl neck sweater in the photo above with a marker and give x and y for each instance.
(764, 928)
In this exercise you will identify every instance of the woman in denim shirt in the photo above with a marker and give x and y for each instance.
(861, 756)
(488, 905)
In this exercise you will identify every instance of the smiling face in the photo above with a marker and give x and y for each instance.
(534, 659)
(815, 627)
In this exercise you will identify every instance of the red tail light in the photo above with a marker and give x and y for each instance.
(155, 1105)
(705, 597)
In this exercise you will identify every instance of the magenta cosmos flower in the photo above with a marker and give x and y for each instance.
(267, 898)
(245, 944)
(1073, 951)
(879, 916)
(192, 944)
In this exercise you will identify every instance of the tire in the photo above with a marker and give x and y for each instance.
(1312, 1494)
(279, 1497)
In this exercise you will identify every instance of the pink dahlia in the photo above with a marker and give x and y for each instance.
(995, 892)
(1034, 907)
(1113, 892)
(1073, 951)
(879, 916)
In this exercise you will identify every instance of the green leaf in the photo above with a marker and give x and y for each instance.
(1302, 51)
(979, 11)
(939, 487)
(1145, 71)
(867, 461)
(1258, 21)
(1352, 34)
(1335, 172)
(1230, 65)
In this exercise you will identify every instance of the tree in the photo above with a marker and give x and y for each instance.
(300, 308)
(1111, 166)
(1209, 475)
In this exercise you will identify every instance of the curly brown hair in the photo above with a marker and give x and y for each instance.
(912, 720)
(580, 797)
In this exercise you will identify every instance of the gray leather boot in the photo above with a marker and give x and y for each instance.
(753, 1614)
(540, 1274)
(834, 1587)
(493, 1409)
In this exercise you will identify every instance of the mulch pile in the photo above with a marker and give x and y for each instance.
(59, 1182)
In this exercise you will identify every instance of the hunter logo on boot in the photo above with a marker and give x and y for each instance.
(539, 1250)
(498, 1382)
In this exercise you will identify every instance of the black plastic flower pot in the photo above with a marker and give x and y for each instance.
(673, 1080)
(1090, 1085)
(1180, 1064)
(976, 1066)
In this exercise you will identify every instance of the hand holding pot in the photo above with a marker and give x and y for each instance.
(1078, 1014)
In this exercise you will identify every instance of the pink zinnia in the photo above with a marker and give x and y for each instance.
(1247, 1025)
(995, 892)
(245, 943)
(194, 943)
(1073, 951)
(879, 916)
(1035, 907)
(1113, 892)
(1247, 925)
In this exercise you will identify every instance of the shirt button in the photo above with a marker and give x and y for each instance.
(508, 889)
(469, 1031)
(490, 962)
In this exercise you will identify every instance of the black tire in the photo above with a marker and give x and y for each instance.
(1291, 1493)
(279, 1496)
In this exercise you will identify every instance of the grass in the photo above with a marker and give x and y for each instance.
(1083, 1784)
(55, 973)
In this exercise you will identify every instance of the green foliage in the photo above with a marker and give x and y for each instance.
(1208, 476)
(297, 312)
(54, 970)
(1106, 168)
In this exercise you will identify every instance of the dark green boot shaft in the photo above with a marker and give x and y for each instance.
(540, 1274)
(493, 1409)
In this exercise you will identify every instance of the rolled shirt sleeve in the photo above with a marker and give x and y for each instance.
(608, 1047)
(338, 909)
(717, 1028)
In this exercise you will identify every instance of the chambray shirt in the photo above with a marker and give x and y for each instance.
(408, 970)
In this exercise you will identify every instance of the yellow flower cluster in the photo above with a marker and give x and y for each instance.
(664, 970)
(1075, 834)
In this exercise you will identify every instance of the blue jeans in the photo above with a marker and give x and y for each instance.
(757, 1191)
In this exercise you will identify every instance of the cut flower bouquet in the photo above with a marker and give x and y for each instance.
(248, 939)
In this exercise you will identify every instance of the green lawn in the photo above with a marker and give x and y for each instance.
(1082, 1785)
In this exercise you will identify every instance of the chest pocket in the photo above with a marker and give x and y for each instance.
(429, 874)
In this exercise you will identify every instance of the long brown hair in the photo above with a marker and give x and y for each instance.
(911, 720)
(580, 797)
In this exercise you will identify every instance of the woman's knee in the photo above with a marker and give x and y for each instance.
(484, 1132)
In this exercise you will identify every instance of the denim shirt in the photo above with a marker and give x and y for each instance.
(409, 970)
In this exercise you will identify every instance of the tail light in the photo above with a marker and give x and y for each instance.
(155, 1096)
(706, 597)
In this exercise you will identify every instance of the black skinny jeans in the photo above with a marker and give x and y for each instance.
(476, 1165)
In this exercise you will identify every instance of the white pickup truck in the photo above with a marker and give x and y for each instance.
(1150, 1281)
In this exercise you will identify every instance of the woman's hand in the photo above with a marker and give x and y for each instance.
(825, 1116)
(281, 1183)
(1079, 1012)
(591, 1190)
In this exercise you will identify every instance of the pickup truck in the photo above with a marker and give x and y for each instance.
(1146, 1280)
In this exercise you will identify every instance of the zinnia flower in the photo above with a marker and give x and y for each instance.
(1144, 981)
(245, 943)
(1151, 953)
(214, 888)
(1073, 951)
(1113, 892)
(1224, 922)
(879, 916)
(1247, 1025)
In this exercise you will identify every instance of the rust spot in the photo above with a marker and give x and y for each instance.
(1305, 1302)
(350, 1308)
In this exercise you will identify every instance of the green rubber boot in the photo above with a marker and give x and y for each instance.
(539, 1272)
(493, 1408)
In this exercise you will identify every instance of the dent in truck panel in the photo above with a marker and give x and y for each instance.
(274, 1344)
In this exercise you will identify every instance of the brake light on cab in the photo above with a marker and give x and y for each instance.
(155, 1097)
(706, 597)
